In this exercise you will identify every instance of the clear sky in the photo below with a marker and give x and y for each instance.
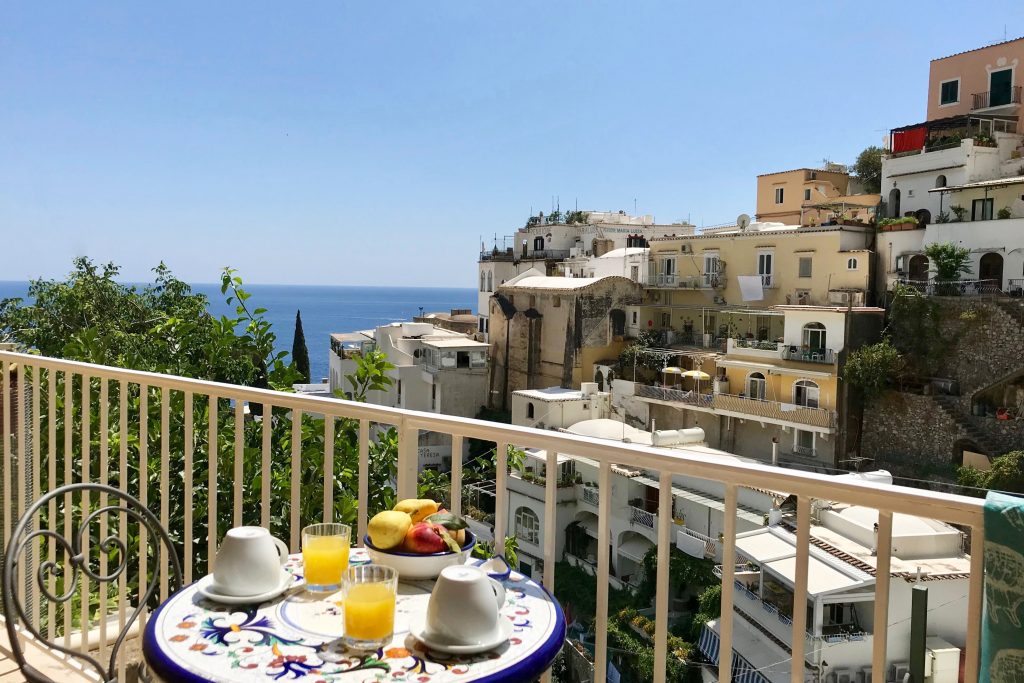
(374, 143)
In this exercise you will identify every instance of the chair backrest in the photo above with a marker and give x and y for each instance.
(80, 552)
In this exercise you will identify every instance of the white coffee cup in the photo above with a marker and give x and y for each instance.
(249, 562)
(465, 605)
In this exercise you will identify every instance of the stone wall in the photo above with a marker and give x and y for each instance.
(983, 343)
(912, 436)
(909, 435)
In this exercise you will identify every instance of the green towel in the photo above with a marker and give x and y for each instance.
(1002, 637)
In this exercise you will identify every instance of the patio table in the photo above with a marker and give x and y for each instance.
(296, 637)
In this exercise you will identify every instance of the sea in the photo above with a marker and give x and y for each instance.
(325, 309)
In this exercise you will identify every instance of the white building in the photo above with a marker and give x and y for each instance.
(840, 596)
(628, 262)
(544, 243)
(436, 370)
(697, 508)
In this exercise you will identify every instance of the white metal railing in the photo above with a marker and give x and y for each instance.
(743, 405)
(590, 495)
(954, 287)
(192, 406)
(710, 544)
(642, 517)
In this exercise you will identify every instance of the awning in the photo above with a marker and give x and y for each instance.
(822, 578)
(742, 670)
(982, 184)
(635, 548)
(761, 546)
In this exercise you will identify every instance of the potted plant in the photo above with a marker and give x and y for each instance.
(1004, 213)
(959, 212)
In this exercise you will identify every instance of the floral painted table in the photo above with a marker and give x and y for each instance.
(295, 637)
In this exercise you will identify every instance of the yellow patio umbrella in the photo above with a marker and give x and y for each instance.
(697, 374)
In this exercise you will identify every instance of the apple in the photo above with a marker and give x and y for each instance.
(425, 537)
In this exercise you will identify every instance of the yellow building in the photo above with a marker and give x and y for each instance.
(693, 279)
(785, 389)
(808, 196)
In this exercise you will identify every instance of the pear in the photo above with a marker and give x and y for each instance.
(388, 529)
(417, 508)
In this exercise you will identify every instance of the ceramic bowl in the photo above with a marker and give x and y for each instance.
(416, 565)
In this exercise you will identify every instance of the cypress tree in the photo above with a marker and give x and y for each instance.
(300, 354)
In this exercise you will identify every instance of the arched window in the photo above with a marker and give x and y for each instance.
(483, 281)
(851, 264)
(814, 336)
(538, 243)
(806, 393)
(756, 385)
(940, 181)
(490, 281)
(527, 526)
(529, 410)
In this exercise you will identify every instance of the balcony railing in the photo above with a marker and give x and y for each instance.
(590, 495)
(802, 355)
(642, 517)
(995, 98)
(757, 344)
(954, 287)
(110, 408)
(775, 410)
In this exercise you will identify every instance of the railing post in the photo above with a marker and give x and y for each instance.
(661, 594)
(603, 562)
(803, 542)
(728, 587)
(408, 465)
(883, 553)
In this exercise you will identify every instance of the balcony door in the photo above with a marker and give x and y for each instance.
(981, 209)
(765, 262)
(1000, 84)
(711, 269)
(756, 386)
(806, 394)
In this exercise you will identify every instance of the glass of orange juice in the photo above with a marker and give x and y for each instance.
(325, 555)
(369, 593)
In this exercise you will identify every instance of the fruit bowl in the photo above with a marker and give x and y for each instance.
(411, 566)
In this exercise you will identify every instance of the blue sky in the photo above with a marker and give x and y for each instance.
(374, 143)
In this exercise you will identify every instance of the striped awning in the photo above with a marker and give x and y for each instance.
(742, 670)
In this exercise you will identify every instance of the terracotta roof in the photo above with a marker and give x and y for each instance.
(975, 49)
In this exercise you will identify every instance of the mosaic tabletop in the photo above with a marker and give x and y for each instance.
(296, 637)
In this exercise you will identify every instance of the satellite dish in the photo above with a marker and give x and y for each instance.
(742, 221)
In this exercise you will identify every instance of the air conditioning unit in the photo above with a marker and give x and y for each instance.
(845, 298)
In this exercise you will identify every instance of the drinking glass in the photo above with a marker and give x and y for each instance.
(369, 593)
(325, 555)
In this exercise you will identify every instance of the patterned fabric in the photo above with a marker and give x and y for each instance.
(1002, 643)
(295, 637)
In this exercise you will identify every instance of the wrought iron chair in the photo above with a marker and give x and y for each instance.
(27, 538)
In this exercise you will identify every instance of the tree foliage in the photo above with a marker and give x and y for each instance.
(684, 572)
(869, 369)
(1005, 474)
(868, 168)
(164, 327)
(948, 261)
(913, 327)
(300, 354)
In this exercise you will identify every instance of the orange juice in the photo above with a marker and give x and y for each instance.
(324, 559)
(370, 611)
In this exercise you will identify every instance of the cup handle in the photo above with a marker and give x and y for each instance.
(499, 592)
(282, 549)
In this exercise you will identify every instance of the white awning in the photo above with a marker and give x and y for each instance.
(997, 182)
(821, 577)
(769, 368)
(635, 548)
(762, 546)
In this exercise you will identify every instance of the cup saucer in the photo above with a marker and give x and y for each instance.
(435, 641)
(206, 588)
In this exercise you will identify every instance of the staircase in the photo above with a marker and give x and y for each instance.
(951, 407)
(1013, 308)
